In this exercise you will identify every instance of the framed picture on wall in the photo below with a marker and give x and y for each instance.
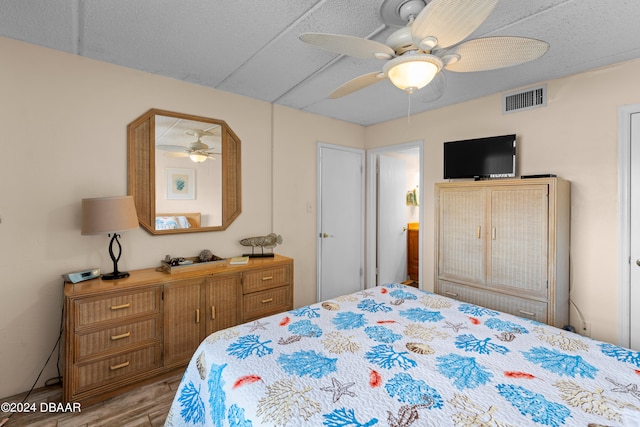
(181, 184)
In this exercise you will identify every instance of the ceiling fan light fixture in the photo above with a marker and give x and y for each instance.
(197, 157)
(412, 72)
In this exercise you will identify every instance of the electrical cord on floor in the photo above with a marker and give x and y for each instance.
(58, 378)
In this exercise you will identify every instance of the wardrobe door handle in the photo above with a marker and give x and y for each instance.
(197, 315)
(493, 233)
(479, 231)
(213, 312)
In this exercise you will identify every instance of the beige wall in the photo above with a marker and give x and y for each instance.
(64, 138)
(64, 124)
(294, 186)
(575, 137)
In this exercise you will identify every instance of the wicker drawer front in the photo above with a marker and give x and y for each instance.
(99, 309)
(120, 366)
(260, 304)
(522, 307)
(117, 337)
(258, 280)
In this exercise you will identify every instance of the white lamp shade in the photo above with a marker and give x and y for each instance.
(412, 72)
(106, 215)
(197, 157)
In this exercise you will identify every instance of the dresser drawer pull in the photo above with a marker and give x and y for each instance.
(453, 294)
(264, 301)
(528, 313)
(121, 336)
(120, 307)
(120, 366)
(264, 279)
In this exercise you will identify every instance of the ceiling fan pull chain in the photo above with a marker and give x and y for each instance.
(409, 108)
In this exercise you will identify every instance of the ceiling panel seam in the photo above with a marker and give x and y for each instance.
(77, 19)
(274, 39)
(324, 67)
(529, 17)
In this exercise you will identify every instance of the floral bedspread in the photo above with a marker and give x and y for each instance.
(398, 356)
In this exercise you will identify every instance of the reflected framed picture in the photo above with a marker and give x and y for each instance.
(181, 184)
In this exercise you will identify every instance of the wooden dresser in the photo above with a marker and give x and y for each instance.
(504, 244)
(121, 333)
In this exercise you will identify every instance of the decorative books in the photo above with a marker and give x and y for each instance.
(239, 260)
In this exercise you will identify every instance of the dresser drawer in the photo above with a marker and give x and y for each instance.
(117, 337)
(120, 366)
(268, 278)
(263, 303)
(94, 310)
(530, 309)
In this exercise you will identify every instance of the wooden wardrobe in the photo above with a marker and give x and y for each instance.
(504, 244)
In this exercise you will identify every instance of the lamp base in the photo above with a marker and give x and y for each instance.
(115, 275)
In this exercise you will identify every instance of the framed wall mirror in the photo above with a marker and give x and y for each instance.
(183, 172)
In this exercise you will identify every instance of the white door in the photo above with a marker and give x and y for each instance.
(340, 221)
(634, 288)
(392, 219)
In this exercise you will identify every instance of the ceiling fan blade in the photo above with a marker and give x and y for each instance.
(450, 21)
(491, 53)
(174, 148)
(434, 90)
(356, 84)
(176, 154)
(349, 45)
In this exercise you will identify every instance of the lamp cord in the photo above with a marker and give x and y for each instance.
(59, 378)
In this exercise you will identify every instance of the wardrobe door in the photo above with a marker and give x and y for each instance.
(518, 240)
(462, 234)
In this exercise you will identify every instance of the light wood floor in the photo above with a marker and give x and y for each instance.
(144, 406)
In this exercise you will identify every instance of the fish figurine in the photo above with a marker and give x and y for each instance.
(269, 241)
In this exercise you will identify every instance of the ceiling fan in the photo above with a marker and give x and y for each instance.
(432, 39)
(197, 151)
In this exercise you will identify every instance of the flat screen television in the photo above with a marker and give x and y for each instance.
(491, 157)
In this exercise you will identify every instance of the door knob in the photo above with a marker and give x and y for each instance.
(638, 262)
(325, 235)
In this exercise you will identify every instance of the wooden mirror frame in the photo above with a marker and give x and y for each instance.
(142, 177)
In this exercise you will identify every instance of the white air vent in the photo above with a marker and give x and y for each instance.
(525, 100)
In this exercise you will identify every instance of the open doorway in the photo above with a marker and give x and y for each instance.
(394, 246)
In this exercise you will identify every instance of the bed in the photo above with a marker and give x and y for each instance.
(398, 356)
(175, 221)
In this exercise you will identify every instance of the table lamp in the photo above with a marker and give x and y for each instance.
(109, 215)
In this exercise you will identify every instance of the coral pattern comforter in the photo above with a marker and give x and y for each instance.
(398, 356)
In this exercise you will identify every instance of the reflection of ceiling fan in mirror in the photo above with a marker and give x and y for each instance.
(197, 151)
(431, 39)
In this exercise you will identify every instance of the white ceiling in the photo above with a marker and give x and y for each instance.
(251, 47)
